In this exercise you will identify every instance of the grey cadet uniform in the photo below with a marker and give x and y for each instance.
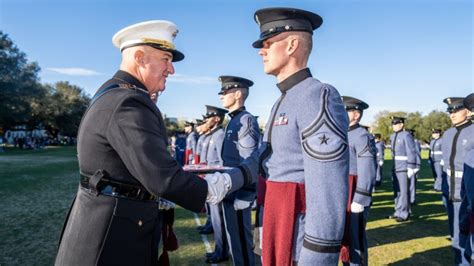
(308, 145)
(362, 165)
(404, 157)
(417, 166)
(214, 158)
(436, 155)
(457, 142)
(241, 140)
(124, 162)
(199, 145)
(380, 146)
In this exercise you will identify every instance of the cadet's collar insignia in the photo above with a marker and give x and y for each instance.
(324, 139)
(294, 79)
(281, 120)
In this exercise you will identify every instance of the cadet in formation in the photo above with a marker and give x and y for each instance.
(191, 141)
(417, 168)
(404, 164)
(304, 154)
(457, 142)
(436, 155)
(362, 173)
(380, 145)
(124, 162)
(241, 139)
(214, 119)
(466, 221)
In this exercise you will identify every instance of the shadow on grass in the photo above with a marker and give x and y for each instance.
(429, 257)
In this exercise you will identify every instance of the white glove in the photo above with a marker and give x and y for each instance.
(218, 184)
(416, 170)
(241, 204)
(356, 207)
(410, 172)
(165, 204)
(441, 163)
(380, 163)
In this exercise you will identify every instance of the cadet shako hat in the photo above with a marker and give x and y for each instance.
(397, 120)
(199, 122)
(214, 111)
(352, 103)
(273, 21)
(158, 34)
(469, 102)
(454, 104)
(233, 82)
(189, 123)
(436, 130)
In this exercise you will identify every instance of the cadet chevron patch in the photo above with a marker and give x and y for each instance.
(323, 140)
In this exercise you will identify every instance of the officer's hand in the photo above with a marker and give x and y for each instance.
(165, 204)
(356, 207)
(410, 172)
(241, 204)
(218, 184)
(380, 163)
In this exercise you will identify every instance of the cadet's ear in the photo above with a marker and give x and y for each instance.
(293, 44)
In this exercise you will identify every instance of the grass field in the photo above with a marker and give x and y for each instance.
(38, 186)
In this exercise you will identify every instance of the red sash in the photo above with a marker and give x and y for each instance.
(344, 256)
(187, 153)
(284, 201)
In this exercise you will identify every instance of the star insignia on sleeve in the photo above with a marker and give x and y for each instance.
(324, 140)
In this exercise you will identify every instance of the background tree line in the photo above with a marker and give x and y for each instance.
(24, 100)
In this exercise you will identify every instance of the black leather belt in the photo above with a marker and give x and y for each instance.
(118, 189)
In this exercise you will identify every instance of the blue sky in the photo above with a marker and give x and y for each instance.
(395, 55)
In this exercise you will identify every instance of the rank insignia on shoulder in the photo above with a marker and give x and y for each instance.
(281, 120)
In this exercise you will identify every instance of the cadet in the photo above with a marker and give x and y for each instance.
(200, 130)
(417, 167)
(214, 119)
(457, 142)
(241, 140)
(304, 153)
(466, 220)
(124, 162)
(404, 164)
(380, 145)
(191, 140)
(436, 155)
(362, 172)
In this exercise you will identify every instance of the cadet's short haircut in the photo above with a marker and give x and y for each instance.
(245, 92)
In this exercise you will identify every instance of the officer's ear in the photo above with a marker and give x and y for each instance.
(139, 57)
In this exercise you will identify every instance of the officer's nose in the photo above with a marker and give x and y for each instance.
(171, 68)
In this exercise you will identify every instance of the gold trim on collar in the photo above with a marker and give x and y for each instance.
(163, 43)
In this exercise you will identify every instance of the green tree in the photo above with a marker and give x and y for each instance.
(64, 108)
(435, 119)
(19, 86)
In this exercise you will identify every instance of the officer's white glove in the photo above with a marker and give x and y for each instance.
(380, 163)
(356, 207)
(165, 204)
(410, 172)
(241, 204)
(218, 184)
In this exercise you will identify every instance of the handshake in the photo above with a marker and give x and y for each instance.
(218, 184)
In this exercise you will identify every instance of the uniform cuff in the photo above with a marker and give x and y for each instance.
(362, 198)
(237, 178)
